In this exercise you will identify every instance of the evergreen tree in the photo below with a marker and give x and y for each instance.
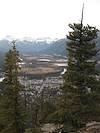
(11, 112)
(81, 92)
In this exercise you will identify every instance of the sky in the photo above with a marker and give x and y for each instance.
(45, 18)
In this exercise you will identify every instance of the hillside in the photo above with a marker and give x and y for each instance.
(58, 48)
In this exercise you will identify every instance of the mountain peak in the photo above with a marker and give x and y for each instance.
(30, 39)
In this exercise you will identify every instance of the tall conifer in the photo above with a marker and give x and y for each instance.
(81, 92)
(11, 113)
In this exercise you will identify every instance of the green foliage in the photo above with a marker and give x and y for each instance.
(48, 109)
(11, 112)
(33, 130)
(81, 90)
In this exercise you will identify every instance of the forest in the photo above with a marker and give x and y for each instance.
(78, 99)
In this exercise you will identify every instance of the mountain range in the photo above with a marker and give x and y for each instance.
(40, 46)
(36, 46)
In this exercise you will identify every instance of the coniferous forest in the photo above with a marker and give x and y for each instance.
(78, 102)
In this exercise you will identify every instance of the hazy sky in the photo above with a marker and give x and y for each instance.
(45, 18)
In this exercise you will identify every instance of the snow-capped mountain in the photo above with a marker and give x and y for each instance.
(32, 46)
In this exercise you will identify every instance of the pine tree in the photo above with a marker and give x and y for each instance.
(81, 92)
(11, 112)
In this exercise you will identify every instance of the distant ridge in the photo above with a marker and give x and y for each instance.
(58, 48)
(40, 46)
